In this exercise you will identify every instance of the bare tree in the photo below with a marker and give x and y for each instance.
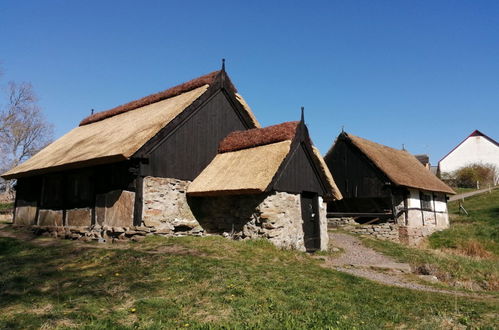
(23, 127)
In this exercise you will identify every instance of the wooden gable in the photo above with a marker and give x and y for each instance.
(355, 175)
(186, 146)
(300, 171)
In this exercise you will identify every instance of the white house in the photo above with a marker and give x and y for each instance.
(476, 148)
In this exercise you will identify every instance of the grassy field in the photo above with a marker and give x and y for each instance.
(208, 282)
(463, 190)
(467, 254)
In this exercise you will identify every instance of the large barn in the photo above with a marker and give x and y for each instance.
(380, 184)
(267, 182)
(477, 148)
(129, 166)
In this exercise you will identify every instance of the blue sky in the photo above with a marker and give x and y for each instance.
(420, 73)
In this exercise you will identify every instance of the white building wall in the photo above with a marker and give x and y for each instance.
(475, 149)
(437, 217)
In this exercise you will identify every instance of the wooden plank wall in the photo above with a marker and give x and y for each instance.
(299, 175)
(192, 146)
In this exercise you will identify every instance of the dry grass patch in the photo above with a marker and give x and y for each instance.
(473, 248)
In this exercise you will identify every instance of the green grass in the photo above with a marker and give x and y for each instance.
(463, 190)
(481, 225)
(455, 270)
(454, 253)
(6, 206)
(208, 282)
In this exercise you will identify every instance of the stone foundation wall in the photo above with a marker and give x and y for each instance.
(323, 224)
(103, 234)
(275, 216)
(386, 231)
(166, 208)
(168, 211)
(414, 236)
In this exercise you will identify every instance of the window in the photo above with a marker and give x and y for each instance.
(426, 201)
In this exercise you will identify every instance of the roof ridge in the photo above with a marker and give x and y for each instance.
(255, 137)
(185, 87)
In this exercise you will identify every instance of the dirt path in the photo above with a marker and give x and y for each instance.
(361, 261)
(472, 193)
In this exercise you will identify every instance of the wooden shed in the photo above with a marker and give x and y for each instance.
(130, 165)
(381, 183)
(267, 182)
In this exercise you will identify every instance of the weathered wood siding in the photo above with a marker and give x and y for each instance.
(189, 148)
(299, 174)
(360, 182)
(353, 173)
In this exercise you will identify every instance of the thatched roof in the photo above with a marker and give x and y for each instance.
(115, 135)
(331, 185)
(258, 136)
(243, 171)
(153, 98)
(248, 161)
(401, 167)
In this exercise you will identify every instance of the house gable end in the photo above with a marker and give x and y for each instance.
(290, 176)
(189, 145)
(354, 173)
(299, 175)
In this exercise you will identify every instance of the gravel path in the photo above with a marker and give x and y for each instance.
(360, 260)
(471, 193)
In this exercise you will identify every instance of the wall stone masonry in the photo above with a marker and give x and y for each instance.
(167, 211)
(275, 216)
(165, 206)
(386, 231)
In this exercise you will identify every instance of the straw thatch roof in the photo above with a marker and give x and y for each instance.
(331, 185)
(243, 171)
(249, 161)
(153, 98)
(401, 167)
(116, 135)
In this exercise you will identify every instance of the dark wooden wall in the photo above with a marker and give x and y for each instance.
(362, 185)
(354, 175)
(299, 174)
(191, 146)
(75, 188)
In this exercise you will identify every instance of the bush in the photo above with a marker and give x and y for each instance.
(468, 176)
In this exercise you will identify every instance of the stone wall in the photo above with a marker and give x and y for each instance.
(166, 208)
(383, 231)
(386, 231)
(323, 225)
(168, 211)
(275, 216)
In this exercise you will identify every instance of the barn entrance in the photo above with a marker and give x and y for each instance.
(310, 216)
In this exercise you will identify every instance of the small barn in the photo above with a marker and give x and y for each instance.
(130, 166)
(267, 182)
(380, 184)
(477, 148)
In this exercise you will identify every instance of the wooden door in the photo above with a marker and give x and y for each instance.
(310, 216)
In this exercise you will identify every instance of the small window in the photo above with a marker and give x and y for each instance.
(426, 201)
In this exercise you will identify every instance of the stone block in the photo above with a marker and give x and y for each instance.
(79, 217)
(50, 218)
(25, 213)
(115, 209)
